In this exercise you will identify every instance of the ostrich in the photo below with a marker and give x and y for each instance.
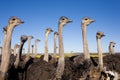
(36, 42)
(48, 31)
(13, 22)
(28, 53)
(61, 62)
(15, 48)
(99, 35)
(85, 22)
(95, 72)
(23, 40)
(111, 47)
(55, 46)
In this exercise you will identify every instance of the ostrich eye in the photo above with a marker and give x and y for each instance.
(13, 19)
(63, 19)
(98, 33)
(86, 19)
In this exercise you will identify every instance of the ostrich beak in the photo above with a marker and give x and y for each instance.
(22, 22)
(92, 20)
(69, 21)
(51, 30)
(103, 35)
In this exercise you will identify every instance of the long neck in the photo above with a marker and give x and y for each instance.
(4, 42)
(46, 47)
(54, 55)
(0, 50)
(15, 50)
(29, 40)
(99, 48)
(111, 49)
(32, 49)
(85, 44)
(61, 47)
(18, 58)
(6, 56)
(61, 62)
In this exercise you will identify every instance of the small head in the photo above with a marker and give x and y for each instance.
(56, 33)
(16, 46)
(37, 40)
(112, 44)
(64, 20)
(24, 38)
(14, 21)
(32, 46)
(49, 30)
(86, 21)
(30, 37)
(99, 35)
(5, 30)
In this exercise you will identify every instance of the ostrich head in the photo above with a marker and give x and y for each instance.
(30, 37)
(5, 29)
(86, 21)
(56, 33)
(14, 21)
(64, 20)
(17, 46)
(112, 44)
(24, 38)
(49, 30)
(37, 40)
(99, 35)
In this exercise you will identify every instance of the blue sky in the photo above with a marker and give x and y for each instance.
(41, 14)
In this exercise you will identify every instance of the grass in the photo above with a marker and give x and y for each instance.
(71, 54)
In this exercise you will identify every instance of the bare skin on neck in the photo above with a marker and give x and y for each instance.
(85, 22)
(36, 43)
(111, 47)
(99, 35)
(48, 31)
(61, 62)
(15, 49)
(55, 45)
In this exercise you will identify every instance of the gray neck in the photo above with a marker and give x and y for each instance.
(99, 48)
(111, 49)
(29, 40)
(85, 44)
(55, 47)
(61, 47)
(46, 47)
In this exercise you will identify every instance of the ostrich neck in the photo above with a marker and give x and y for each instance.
(61, 47)
(100, 60)
(6, 58)
(46, 47)
(15, 50)
(85, 44)
(29, 46)
(32, 49)
(111, 50)
(55, 36)
(4, 42)
(61, 62)
(35, 47)
(19, 55)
